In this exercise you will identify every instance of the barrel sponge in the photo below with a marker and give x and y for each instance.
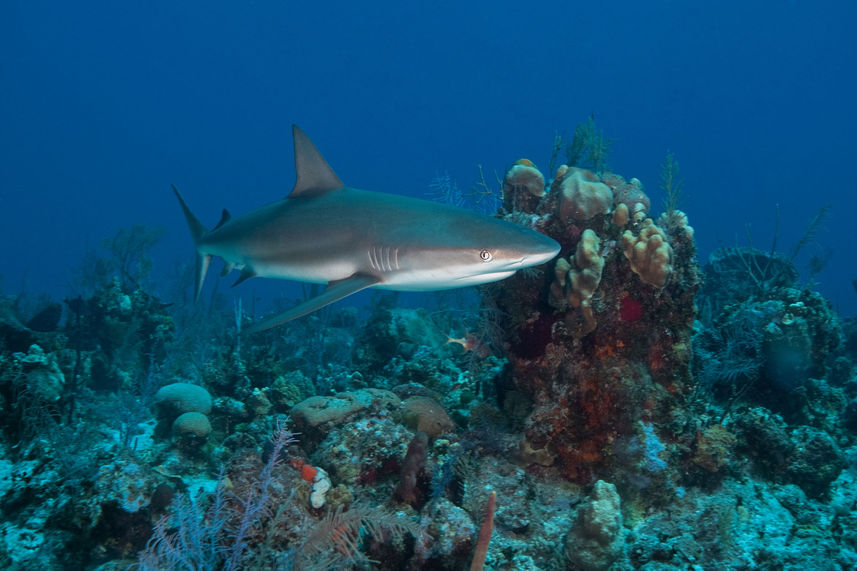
(583, 196)
(649, 253)
(178, 398)
(193, 424)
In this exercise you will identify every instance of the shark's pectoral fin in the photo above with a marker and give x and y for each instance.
(334, 292)
(202, 263)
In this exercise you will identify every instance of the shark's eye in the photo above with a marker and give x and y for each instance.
(486, 256)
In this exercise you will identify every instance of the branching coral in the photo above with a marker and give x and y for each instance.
(579, 276)
(649, 253)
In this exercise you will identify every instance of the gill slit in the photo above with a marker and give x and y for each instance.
(384, 258)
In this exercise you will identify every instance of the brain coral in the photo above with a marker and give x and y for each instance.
(192, 424)
(183, 397)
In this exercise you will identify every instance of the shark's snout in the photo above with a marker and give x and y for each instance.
(544, 250)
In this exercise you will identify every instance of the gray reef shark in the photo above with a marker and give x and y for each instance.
(350, 239)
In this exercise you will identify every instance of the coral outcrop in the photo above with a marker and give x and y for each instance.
(608, 347)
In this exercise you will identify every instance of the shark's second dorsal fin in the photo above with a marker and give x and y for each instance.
(314, 175)
(246, 274)
(224, 218)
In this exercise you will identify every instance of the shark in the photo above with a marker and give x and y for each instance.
(325, 232)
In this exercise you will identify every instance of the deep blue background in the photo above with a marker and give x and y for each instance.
(104, 104)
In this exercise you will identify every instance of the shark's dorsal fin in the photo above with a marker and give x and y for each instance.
(224, 218)
(314, 175)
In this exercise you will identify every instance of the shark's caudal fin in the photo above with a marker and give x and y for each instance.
(314, 175)
(197, 231)
(334, 292)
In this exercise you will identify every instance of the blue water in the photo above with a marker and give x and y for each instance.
(103, 105)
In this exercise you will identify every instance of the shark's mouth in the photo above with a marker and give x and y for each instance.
(477, 279)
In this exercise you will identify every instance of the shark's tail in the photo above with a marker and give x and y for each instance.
(197, 231)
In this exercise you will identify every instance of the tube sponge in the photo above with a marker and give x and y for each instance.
(649, 253)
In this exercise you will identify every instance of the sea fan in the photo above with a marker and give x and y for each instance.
(335, 541)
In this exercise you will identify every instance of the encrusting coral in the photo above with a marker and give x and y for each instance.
(524, 175)
(523, 185)
(628, 195)
(583, 195)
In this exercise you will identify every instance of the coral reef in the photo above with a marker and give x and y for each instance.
(604, 411)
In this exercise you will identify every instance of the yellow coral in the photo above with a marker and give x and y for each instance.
(579, 277)
(649, 253)
(621, 215)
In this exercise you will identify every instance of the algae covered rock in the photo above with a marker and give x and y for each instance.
(318, 415)
(597, 538)
(425, 414)
(42, 373)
